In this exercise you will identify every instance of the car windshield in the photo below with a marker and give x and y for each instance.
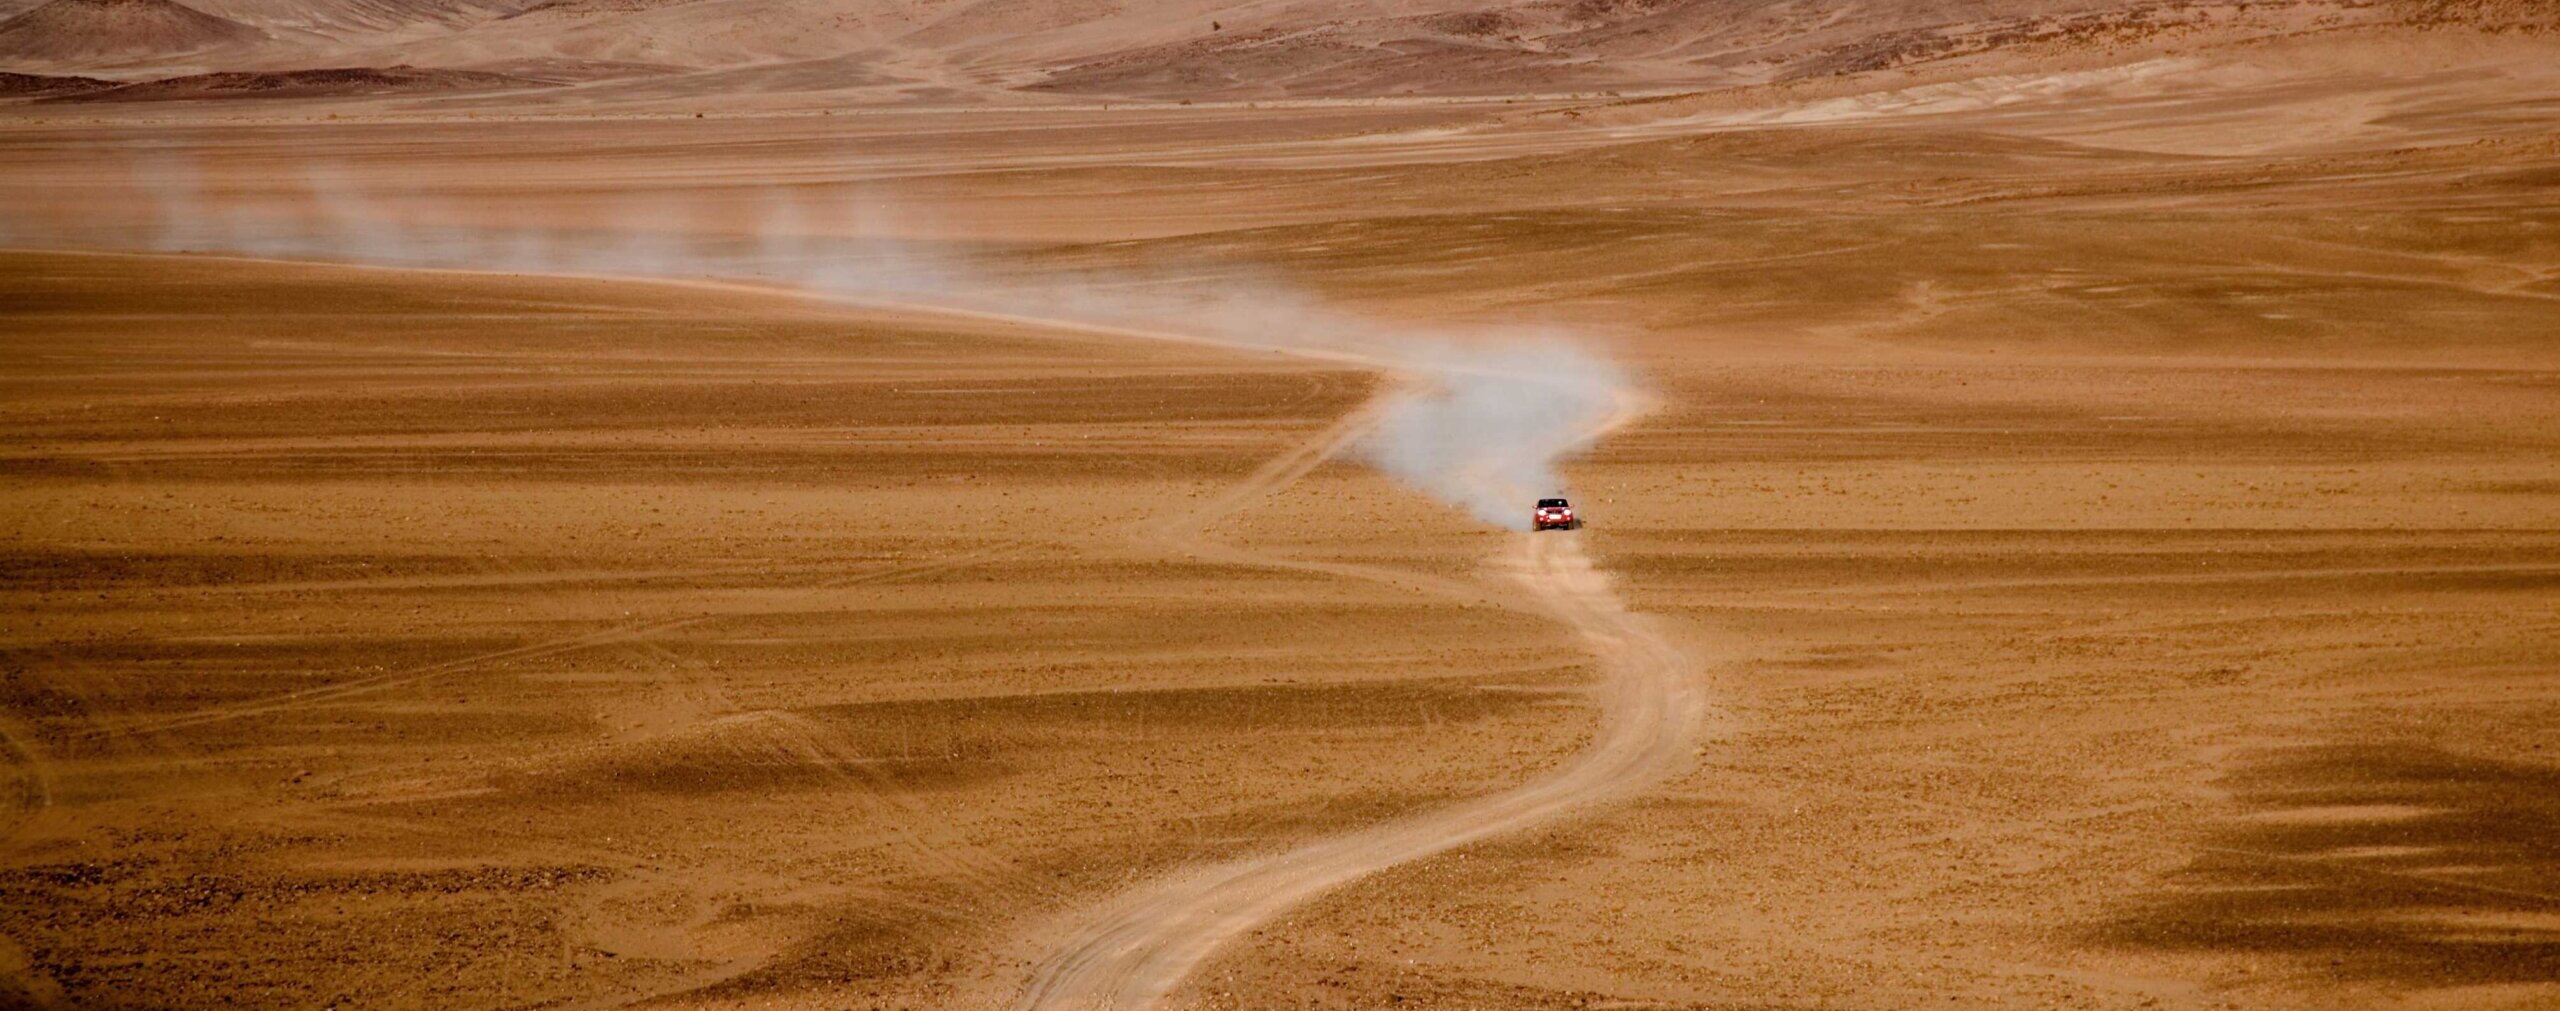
(1553, 503)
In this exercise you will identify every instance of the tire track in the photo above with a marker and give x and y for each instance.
(34, 771)
(610, 636)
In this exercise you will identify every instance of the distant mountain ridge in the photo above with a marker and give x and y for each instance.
(103, 31)
(951, 50)
(330, 82)
(41, 85)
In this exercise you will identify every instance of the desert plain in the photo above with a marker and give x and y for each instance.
(997, 519)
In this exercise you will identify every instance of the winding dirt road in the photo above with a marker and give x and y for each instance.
(1132, 953)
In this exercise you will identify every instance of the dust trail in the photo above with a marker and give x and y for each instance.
(1488, 415)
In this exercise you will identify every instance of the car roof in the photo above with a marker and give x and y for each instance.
(1545, 502)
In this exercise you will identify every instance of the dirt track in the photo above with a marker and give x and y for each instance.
(1143, 945)
(1136, 949)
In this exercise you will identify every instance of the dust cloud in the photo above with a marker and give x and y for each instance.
(1492, 424)
(1481, 421)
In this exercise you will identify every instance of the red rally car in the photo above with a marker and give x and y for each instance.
(1554, 514)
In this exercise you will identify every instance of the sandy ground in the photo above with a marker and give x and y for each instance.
(2047, 573)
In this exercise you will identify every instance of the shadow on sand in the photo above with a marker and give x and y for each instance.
(2389, 863)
